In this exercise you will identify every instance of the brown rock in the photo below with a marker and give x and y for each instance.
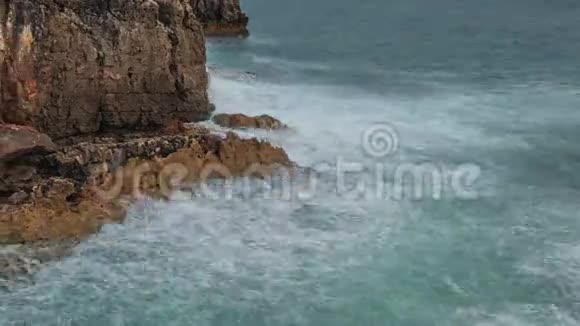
(70, 67)
(55, 220)
(77, 189)
(16, 141)
(243, 121)
(54, 189)
(239, 154)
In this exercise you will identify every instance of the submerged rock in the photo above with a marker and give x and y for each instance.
(18, 263)
(243, 121)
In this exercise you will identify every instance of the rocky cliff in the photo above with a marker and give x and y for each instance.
(221, 17)
(93, 96)
(72, 67)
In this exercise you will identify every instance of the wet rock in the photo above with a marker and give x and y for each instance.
(221, 17)
(80, 187)
(15, 267)
(8, 235)
(243, 121)
(16, 141)
(238, 154)
(19, 263)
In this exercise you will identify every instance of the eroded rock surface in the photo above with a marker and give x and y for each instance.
(239, 120)
(72, 192)
(221, 17)
(71, 67)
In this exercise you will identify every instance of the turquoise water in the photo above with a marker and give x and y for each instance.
(488, 84)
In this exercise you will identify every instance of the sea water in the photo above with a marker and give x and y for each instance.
(486, 93)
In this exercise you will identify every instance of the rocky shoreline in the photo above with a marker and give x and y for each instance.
(71, 192)
(99, 101)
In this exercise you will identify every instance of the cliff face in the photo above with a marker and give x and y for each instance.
(70, 67)
(221, 17)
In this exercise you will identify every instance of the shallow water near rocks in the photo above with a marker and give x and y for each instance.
(494, 85)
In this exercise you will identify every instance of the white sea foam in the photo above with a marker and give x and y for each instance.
(290, 64)
(330, 120)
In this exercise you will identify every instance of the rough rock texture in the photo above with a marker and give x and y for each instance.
(239, 120)
(18, 140)
(72, 192)
(70, 67)
(111, 83)
(221, 17)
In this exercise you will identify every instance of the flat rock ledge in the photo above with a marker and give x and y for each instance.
(69, 191)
